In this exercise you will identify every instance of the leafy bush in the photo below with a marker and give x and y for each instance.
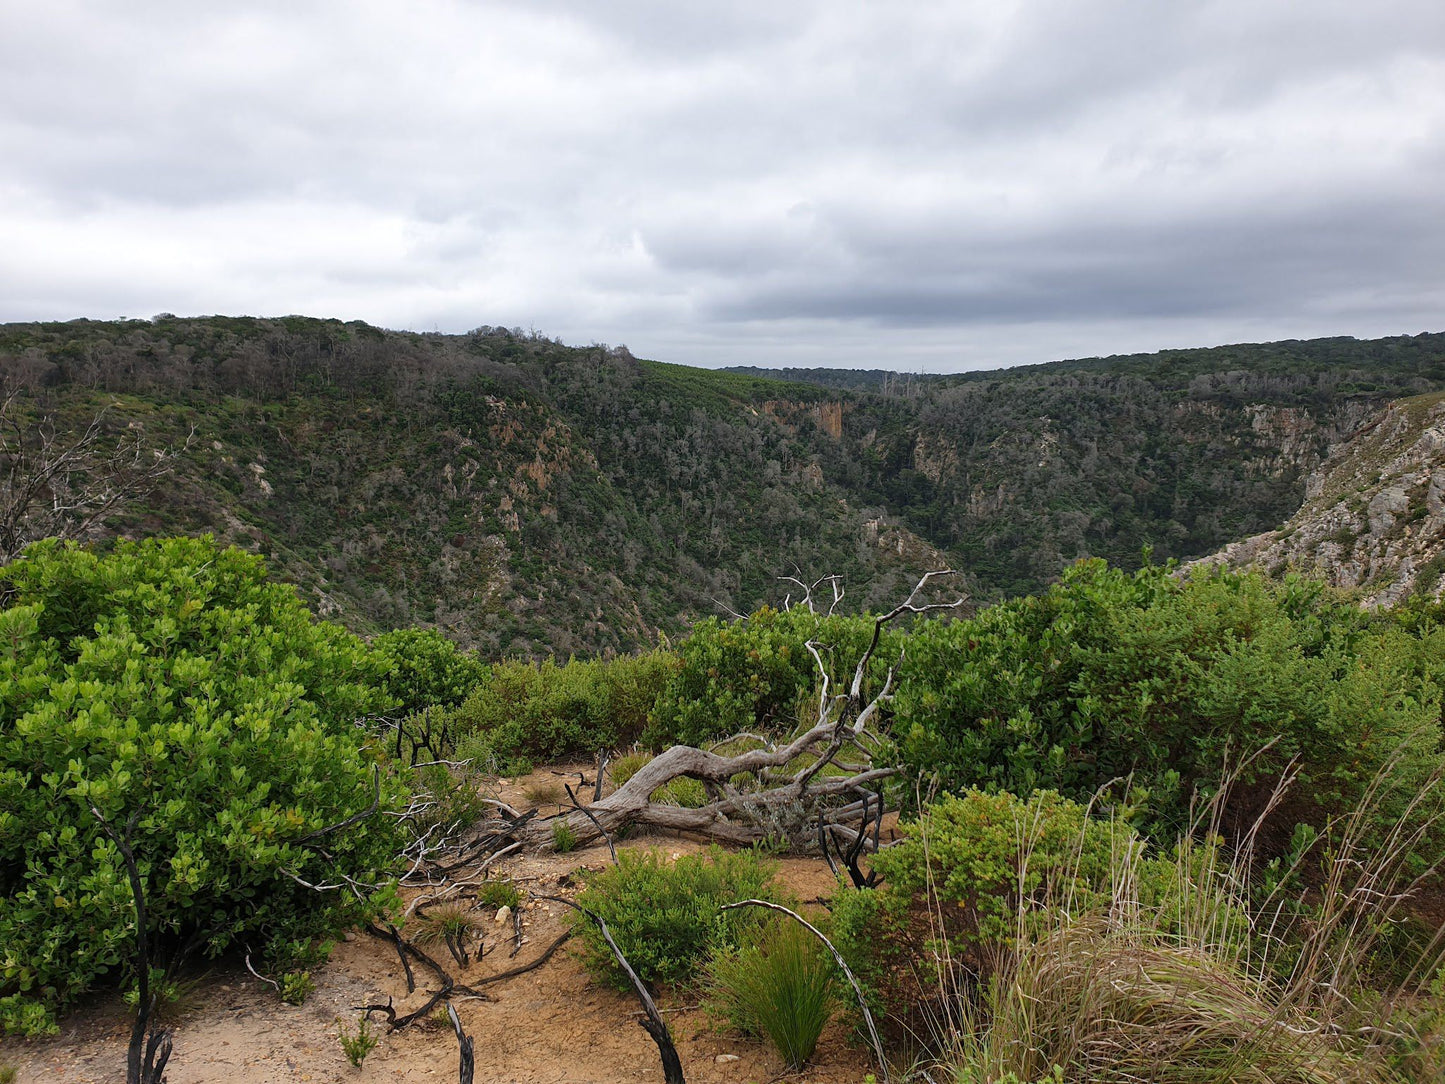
(1112, 675)
(423, 669)
(757, 673)
(664, 916)
(964, 873)
(547, 712)
(781, 989)
(169, 681)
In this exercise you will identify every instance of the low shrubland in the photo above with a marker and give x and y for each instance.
(1017, 940)
(1157, 826)
(525, 712)
(1141, 684)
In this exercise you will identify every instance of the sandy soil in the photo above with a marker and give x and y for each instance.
(550, 1025)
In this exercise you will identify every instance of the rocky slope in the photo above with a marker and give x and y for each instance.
(1373, 519)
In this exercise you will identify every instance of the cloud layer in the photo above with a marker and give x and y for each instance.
(909, 185)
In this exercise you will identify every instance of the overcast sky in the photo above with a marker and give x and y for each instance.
(918, 186)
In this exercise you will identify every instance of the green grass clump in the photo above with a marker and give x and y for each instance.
(782, 989)
(664, 916)
(457, 920)
(563, 838)
(500, 893)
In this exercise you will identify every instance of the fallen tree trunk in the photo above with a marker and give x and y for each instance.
(793, 781)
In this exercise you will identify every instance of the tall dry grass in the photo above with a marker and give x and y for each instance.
(1193, 972)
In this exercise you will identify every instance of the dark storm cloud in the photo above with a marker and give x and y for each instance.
(915, 184)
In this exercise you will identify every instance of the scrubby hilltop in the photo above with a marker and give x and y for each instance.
(531, 497)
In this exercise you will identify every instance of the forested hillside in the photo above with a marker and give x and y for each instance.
(530, 497)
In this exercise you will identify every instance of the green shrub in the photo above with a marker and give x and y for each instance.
(781, 989)
(423, 669)
(664, 916)
(758, 674)
(963, 875)
(480, 752)
(297, 986)
(453, 796)
(170, 681)
(548, 712)
(1159, 678)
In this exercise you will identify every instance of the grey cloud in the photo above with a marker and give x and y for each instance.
(948, 184)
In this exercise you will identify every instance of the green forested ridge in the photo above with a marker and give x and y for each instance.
(530, 497)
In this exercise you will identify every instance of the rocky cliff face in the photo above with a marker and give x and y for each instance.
(1373, 520)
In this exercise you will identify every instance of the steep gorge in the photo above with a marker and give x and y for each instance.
(530, 497)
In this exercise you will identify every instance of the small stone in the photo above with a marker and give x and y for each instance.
(723, 1059)
(503, 913)
(349, 936)
(504, 782)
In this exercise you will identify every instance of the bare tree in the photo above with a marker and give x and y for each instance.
(826, 771)
(53, 485)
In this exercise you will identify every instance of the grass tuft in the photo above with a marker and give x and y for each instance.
(782, 989)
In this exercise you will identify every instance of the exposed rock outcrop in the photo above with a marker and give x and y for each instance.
(1373, 519)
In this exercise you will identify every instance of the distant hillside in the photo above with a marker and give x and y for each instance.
(1373, 519)
(529, 496)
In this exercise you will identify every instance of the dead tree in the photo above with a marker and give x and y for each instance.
(54, 486)
(791, 784)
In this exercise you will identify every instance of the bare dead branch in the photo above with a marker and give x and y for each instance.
(653, 1022)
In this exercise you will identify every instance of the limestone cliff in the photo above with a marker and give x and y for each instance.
(1373, 519)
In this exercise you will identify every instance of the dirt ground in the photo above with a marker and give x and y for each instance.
(551, 1025)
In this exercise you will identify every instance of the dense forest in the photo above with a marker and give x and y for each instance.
(530, 497)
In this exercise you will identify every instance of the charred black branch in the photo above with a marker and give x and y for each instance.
(392, 934)
(589, 815)
(652, 1022)
(464, 1041)
(145, 1057)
